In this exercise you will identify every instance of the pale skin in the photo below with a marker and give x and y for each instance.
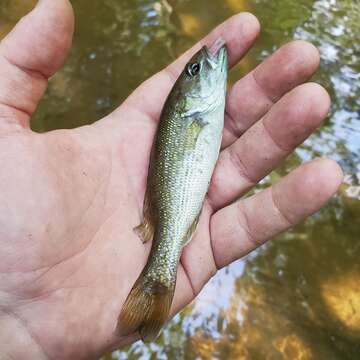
(70, 199)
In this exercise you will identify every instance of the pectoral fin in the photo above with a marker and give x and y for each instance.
(146, 229)
(195, 129)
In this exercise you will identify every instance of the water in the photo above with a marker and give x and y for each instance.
(297, 297)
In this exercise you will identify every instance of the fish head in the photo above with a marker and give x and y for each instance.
(203, 82)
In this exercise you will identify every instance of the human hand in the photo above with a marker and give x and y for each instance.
(71, 198)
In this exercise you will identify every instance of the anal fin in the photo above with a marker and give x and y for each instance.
(145, 231)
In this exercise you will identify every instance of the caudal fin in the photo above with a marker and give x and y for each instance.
(145, 310)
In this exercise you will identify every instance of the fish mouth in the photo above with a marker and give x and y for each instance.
(216, 54)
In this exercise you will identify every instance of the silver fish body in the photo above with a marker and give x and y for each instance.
(184, 155)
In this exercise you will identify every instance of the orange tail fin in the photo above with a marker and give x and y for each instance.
(146, 309)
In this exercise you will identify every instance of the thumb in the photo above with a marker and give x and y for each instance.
(32, 52)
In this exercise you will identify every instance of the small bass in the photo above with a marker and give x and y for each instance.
(183, 158)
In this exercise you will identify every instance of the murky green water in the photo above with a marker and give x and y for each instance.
(297, 297)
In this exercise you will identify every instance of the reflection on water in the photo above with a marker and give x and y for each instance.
(190, 24)
(342, 296)
(297, 297)
(292, 347)
(334, 27)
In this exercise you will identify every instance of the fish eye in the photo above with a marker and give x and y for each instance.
(193, 69)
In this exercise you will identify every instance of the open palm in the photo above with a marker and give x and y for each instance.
(71, 198)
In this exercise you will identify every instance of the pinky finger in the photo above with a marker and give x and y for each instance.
(243, 226)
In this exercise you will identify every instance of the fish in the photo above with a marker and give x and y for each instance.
(183, 157)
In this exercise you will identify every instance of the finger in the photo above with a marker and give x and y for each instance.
(267, 143)
(252, 96)
(243, 226)
(32, 52)
(239, 32)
